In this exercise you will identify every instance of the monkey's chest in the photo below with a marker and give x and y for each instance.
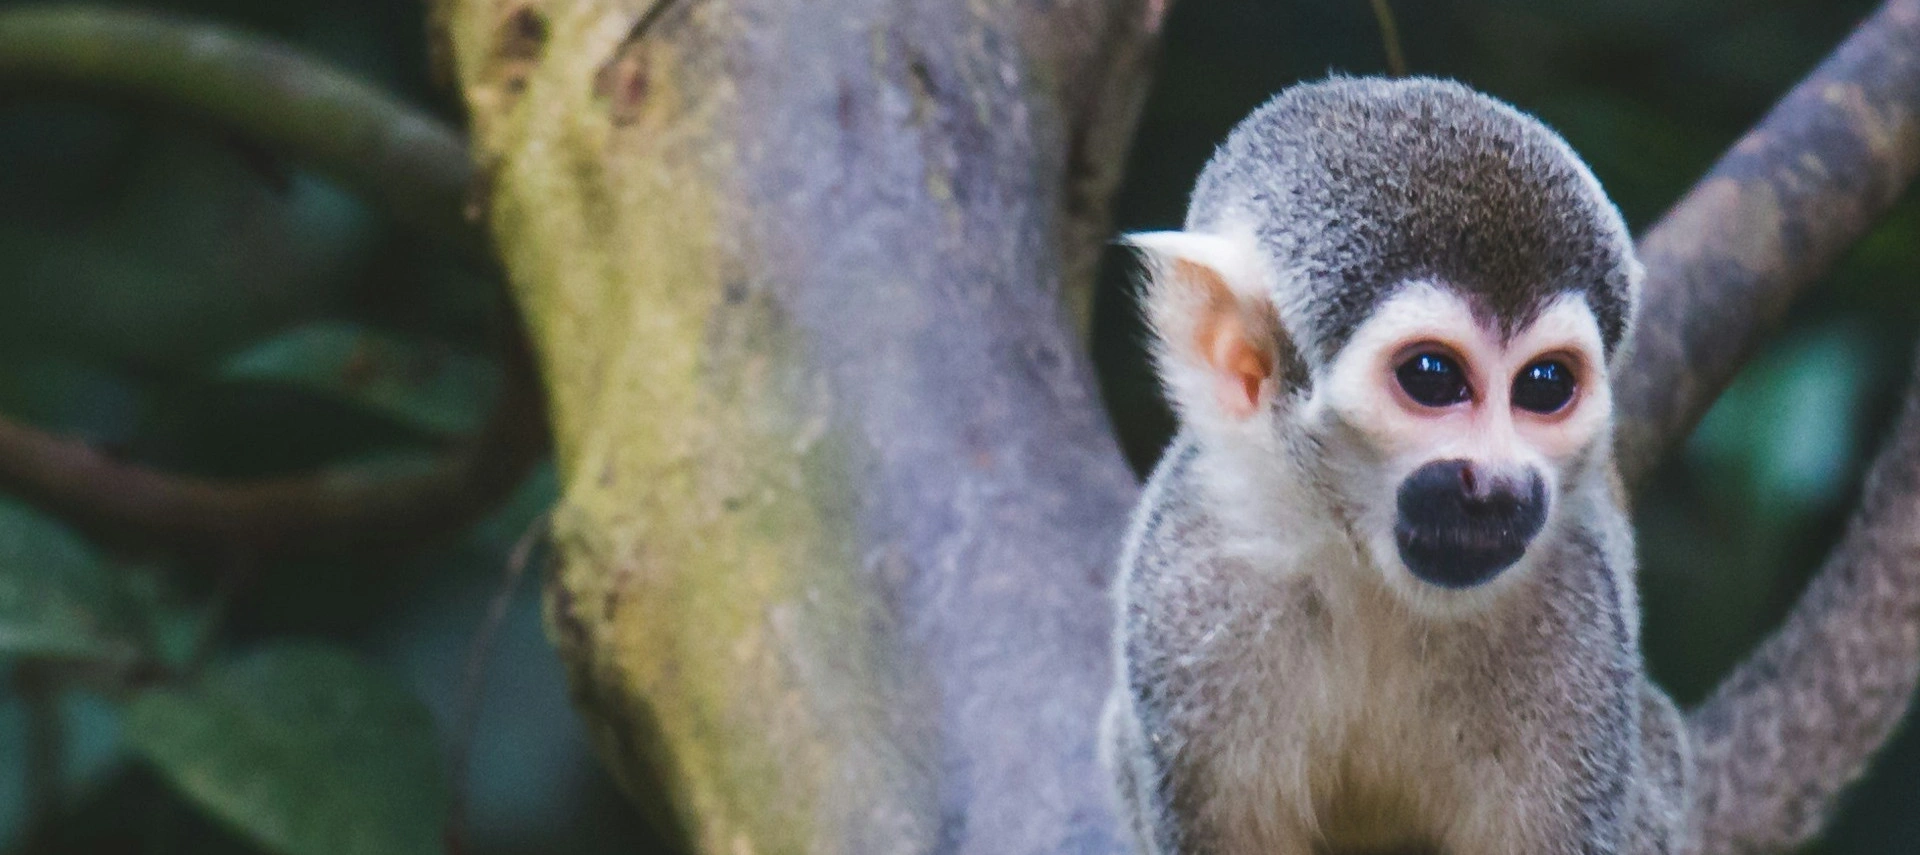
(1361, 736)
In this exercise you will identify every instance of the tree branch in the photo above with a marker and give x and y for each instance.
(406, 164)
(1777, 742)
(334, 509)
(1775, 213)
(1798, 720)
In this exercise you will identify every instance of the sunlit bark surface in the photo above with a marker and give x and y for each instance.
(839, 499)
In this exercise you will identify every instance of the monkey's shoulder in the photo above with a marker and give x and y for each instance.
(1191, 577)
(1182, 537)
(1172, 519)
(1205, 510)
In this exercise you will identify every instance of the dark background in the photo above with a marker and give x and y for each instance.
(163, 287)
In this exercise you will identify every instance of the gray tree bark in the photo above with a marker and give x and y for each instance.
(840, 501)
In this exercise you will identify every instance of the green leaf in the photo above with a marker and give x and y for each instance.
(56, 598)
(69, 396)
(172, 629)
(303, 749)
(433, 388)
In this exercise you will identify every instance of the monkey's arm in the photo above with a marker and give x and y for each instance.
(1804, 714)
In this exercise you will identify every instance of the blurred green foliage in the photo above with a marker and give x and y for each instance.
(430, 387)
(368, 778)
(181, 298)
(60, 600)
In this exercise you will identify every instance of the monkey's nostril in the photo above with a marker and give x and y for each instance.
(1466, 478)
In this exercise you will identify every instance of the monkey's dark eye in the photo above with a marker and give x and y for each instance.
(1433, 380)
(1543, 387)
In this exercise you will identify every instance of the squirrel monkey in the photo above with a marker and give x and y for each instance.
(1378, 595)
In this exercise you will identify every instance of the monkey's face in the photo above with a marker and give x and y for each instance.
(1444, 434)
(1452, 434)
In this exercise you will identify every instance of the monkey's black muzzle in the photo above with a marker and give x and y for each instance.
(1460, 526)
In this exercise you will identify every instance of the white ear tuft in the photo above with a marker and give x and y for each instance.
(1235, 259)
(1216, 329)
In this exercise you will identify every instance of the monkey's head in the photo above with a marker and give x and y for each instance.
(1408, 296)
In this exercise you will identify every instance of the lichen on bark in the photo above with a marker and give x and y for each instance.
(707, 599)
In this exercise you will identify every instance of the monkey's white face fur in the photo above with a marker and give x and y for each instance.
(1378, 437)
(1438, 438)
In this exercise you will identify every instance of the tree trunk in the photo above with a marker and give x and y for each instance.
(839, 499)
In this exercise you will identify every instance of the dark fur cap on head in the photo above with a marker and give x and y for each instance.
(1354, 186)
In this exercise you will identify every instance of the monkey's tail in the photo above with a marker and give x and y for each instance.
(1799, 719)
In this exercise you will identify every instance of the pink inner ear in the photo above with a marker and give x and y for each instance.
(1242, 367)
(1227, 338)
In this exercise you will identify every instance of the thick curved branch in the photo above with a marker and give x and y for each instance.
(406, 164)
(1801, 718)
(1797, 721)
(1773, 215)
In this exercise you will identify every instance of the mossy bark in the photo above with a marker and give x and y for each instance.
(839, 502)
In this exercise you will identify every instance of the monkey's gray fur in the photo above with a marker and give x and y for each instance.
(1358, 184)
(1293, 709)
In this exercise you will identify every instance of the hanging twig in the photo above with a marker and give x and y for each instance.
(403, 162)
(474, 680)
(1390, 38)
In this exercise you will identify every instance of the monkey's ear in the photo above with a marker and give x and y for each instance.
(1217, 334)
